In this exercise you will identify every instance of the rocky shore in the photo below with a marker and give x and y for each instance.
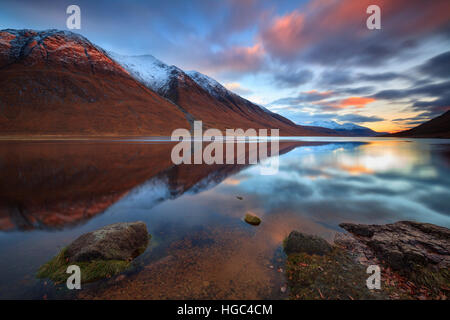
(413, 257)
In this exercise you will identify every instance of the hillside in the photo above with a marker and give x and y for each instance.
(58, 83)
(438, 127)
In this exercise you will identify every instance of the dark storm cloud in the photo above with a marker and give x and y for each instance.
(341, 78)
(420, 117)
(347, 52)
(293, 79)
(438, 66)
(335, 78)
(310, 96)
(429, 90)
(380, 77)
(358, 90)
(419, 97)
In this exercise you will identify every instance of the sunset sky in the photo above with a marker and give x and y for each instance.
(307, 60)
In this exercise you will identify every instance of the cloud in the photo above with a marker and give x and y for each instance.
(433, 98)
(238, 59)
(357, 102)
(299, 116)
(356, 118)
(335, 78)
(293, 79)
(339, 78)
(307, 96)
(415, 120)
(380, 77)
(438, 66)
(284, 37)
(355, 91)
(334, 32)
(428, 90)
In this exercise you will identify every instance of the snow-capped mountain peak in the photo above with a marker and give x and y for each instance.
(157, 75)
(150, 71)
(347, 128)
(330, 124)
(209, 84)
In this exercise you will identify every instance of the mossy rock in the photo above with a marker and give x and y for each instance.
(298, 242)
(100, 254)
(252, 219)
(331, 276)
(56, 268)
(118, 241)
(432, 278)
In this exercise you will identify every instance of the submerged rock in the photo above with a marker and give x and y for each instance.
(298, 242)
(252, 219)
(99, 254)
(404, 245)
(119, 241)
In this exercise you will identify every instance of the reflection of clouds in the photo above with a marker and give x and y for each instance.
(374, 182)
(232, 181)
(382, 157)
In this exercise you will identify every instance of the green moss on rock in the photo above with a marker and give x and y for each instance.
(55, 269)
(331, 276)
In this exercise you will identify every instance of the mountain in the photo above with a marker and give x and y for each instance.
(203, 98)
(438, 127)
(59, 83)
(346, 129)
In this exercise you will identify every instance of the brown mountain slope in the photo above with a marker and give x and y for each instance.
(438, 127)
(203, 98)
(58, 83)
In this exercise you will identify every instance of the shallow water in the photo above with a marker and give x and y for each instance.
(53, 191)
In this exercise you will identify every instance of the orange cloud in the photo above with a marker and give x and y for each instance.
(285, 34)
(357, 102)
(321, 20)
(320, 93)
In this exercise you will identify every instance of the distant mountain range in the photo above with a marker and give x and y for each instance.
(438, 127)
(59, 83)
(346, 129)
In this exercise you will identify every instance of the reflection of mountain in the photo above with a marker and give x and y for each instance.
(53, 185)
(438, 127)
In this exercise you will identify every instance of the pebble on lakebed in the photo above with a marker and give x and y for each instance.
(252, 219)
(101, 253)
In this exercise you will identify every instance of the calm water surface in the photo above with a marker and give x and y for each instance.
(52, 192)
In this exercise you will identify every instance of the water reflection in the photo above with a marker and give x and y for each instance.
(201, 248)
